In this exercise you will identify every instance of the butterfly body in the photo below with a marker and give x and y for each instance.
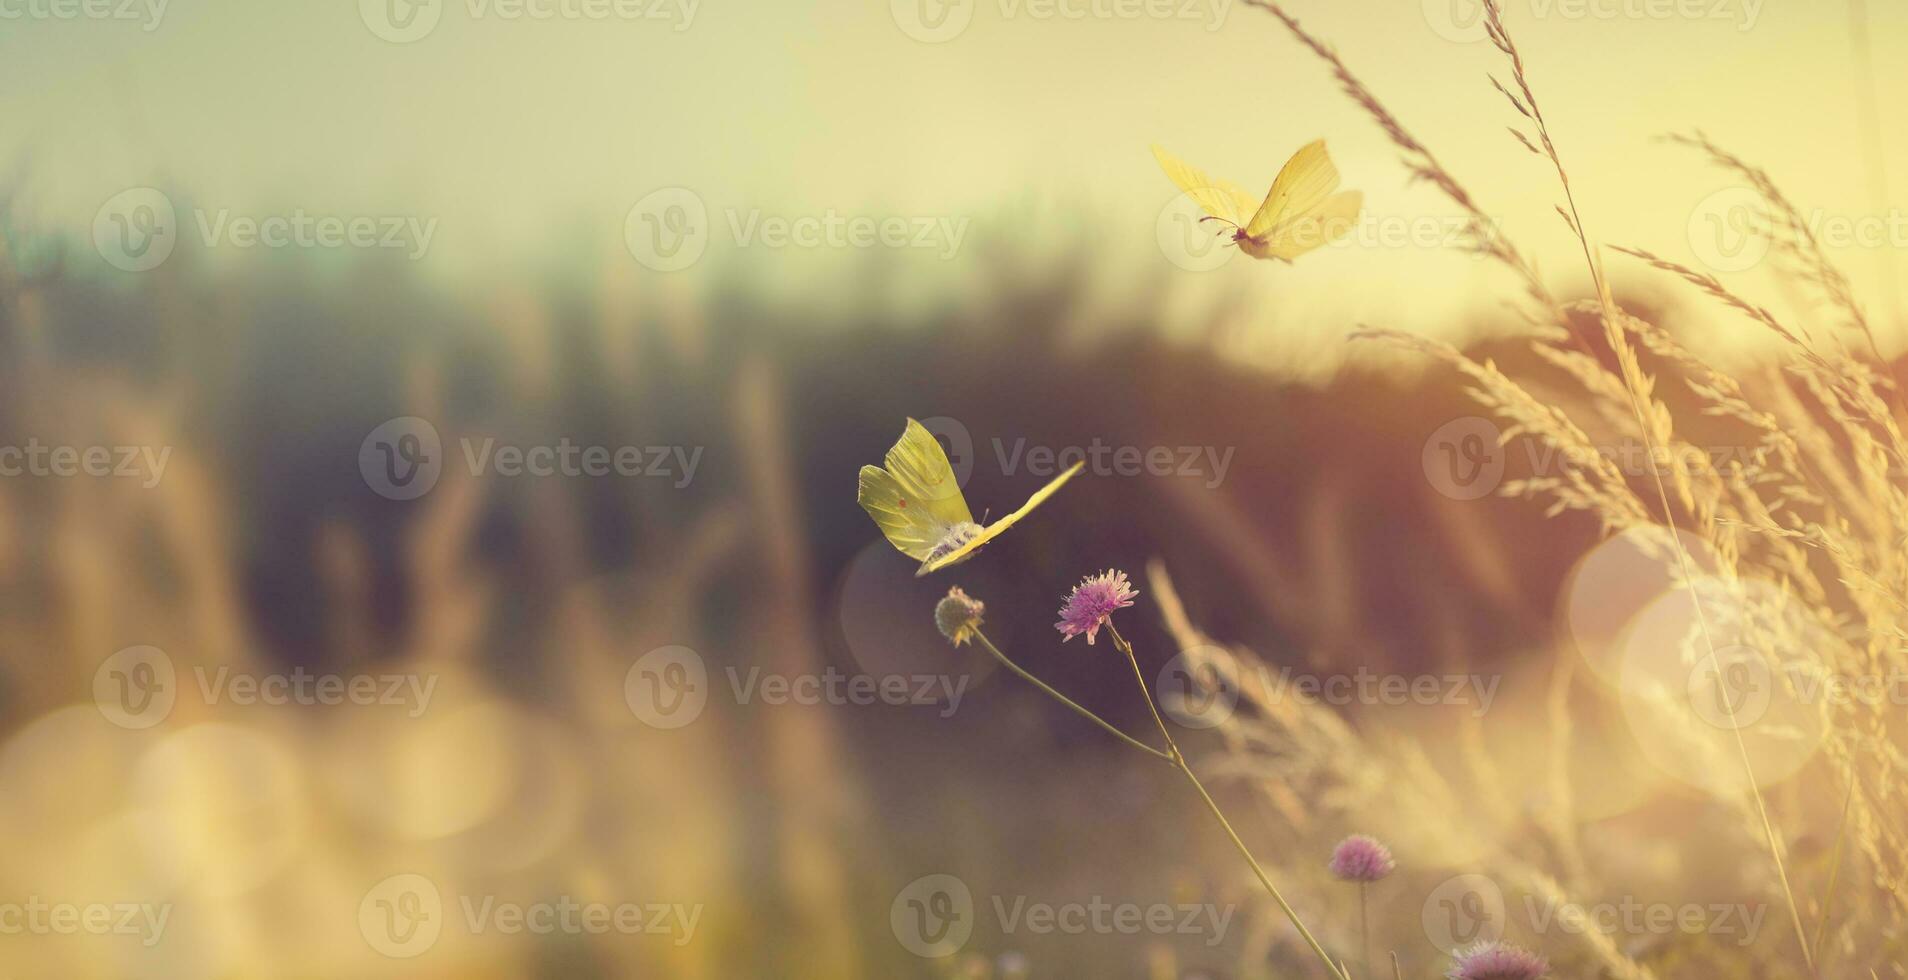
(1258, 248)
(1300, 213)
(916, 500)
(956, 538)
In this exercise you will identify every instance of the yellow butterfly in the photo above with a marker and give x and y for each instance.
(1299, 214)
(917, 503)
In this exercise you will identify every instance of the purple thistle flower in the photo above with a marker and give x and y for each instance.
(1497, 961)
(1361, 858)
(1092, 602)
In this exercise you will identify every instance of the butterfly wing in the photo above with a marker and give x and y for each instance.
(994, 530)
(916, 498)
(1221, 199)
(1322, 225)
(1303, 184)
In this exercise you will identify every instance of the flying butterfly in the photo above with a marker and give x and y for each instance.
(1299, 214)
(916, 501)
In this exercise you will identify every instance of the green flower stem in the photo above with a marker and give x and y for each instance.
(1364, 927)
(1179, 760)
(1063, 699)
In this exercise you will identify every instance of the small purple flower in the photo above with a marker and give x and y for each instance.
(958, 616)
(1091, 602)
(1497, 961)
(1361, 858)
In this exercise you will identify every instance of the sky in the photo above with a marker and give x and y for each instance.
(803, 131)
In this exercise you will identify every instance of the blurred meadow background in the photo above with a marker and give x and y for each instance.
(302, 676)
